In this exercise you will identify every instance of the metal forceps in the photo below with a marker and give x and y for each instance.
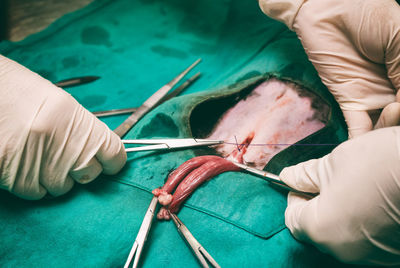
(201, 254)
(141, 237)
(265, 175)
(150, 103)
(164, 144)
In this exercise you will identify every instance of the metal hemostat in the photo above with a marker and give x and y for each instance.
(141, 237)
(168, 144)
(272, 178)
(202, 255)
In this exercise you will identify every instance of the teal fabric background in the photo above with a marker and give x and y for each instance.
(136, 47)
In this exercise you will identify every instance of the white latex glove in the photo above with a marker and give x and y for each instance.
(356, 216)
(47, 139)
(355, 47)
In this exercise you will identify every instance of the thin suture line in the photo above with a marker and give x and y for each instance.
(237, 145)
(282, 144)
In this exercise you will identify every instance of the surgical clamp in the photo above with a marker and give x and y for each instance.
(272, 178)
(164, 144)
(201, 254)
(141, 237)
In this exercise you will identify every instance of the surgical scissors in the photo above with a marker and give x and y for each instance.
(201, 254)
(164, 144)
(141, 237)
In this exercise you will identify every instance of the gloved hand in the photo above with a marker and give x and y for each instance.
(356, 216)
(47, 139)
(355, 47)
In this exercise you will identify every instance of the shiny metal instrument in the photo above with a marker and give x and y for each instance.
(168, 144)
(141, 237)
(170, 95)
(265, 175)
(150, 103)
(115, 112)
(202, 255)
(76, 81)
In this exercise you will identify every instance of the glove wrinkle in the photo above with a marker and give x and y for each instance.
(353, 45)
(282, 10)
(386, 250)
(390, 116)
(358, 122)
(86, 168)
(355, 48)
(49, 138)
(356, 216)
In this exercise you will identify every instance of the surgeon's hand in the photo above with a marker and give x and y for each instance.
(355, 47)
(356, 216)
(47, 139)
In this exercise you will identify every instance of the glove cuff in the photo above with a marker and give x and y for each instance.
(282, 10)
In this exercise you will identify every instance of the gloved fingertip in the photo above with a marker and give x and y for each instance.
(390, 116)
(303, 176)
(86, 172)
(287, 174)
(297, 216)
(398, 94)
(87, 178)
(296, 198)
(41, 193)
(358, 122)
(292, 213)
(105, 146)
(31, 194)
(117, 162)
(60, 186)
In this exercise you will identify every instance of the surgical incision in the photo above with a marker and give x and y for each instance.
(256, 127)
(275, 115)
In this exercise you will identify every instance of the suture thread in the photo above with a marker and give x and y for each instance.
(282, 144)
